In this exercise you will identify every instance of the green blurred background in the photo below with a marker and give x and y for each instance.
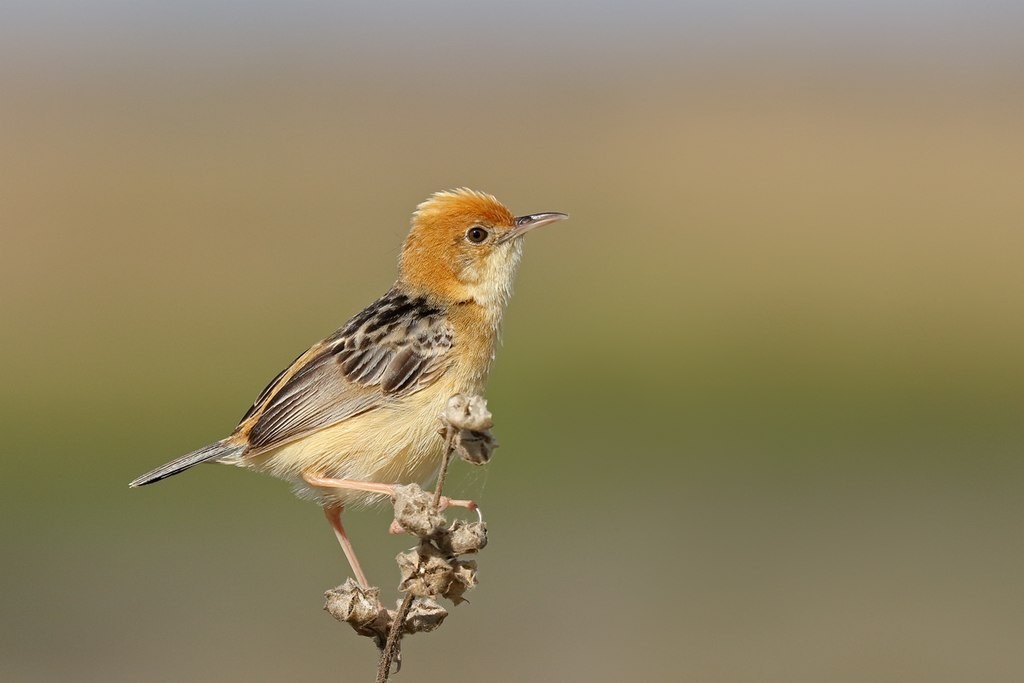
(760, 400)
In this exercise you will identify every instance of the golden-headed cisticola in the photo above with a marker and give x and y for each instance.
(358, 412)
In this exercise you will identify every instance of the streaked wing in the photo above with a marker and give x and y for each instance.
(395, 347)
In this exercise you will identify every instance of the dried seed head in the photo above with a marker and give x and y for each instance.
(463, 537)
(352, 603)
(408, 564)
(361, 609)
(468, 412)
(425, 616)
(415, 511)
(463, 579)
(425, 571)
(475, 447)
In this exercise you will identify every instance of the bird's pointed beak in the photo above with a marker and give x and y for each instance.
(525, 224)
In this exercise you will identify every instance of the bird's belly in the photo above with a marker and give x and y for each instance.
(397, 444)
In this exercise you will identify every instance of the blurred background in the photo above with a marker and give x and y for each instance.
(760, 400)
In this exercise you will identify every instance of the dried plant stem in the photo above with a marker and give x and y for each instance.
(449, 444)
(392, 647)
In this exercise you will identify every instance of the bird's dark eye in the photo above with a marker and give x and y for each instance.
(476, 234)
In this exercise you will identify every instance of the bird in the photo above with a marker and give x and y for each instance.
(358, 412)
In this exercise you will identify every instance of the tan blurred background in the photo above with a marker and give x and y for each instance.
(760, 400)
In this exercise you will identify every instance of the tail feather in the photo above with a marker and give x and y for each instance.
(215, 451)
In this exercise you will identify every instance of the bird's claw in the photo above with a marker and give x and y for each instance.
(447, 502)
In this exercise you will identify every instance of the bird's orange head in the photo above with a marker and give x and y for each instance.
(464, 246)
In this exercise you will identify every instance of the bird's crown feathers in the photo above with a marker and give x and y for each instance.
(462, 204)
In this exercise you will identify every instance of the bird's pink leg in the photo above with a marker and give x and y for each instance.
(389, 489)
(447, 502)
(333, 514)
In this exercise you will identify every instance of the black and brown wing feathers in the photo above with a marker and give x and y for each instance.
(395, 347)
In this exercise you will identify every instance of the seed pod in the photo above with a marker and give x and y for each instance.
(476, 447)
(425, 616)
(463, 537)
(425, 572)
(352, 603)
(468, 412)
(415, 511)
(463, 579)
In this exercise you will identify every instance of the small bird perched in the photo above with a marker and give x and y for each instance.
(357, 413)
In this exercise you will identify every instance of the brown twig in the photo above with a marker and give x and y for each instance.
(450, 433)
(391, 651)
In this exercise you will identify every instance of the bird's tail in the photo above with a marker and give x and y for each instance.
(215, 451)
